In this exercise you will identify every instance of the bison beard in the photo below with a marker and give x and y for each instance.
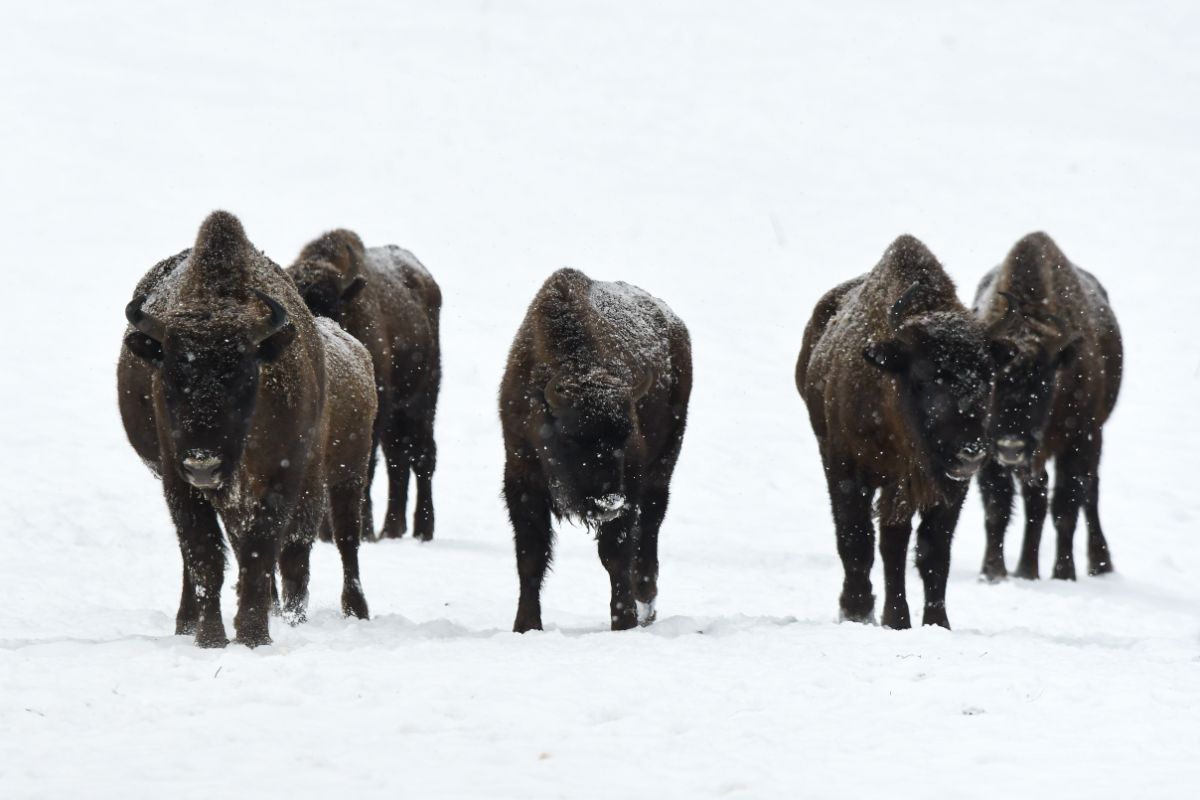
(248, 411)
(593, 405)
(897, 377)
(1052, 401)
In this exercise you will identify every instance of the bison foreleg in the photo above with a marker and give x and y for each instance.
(424, 461)
(1033, 493)
(1099, 559)
(933, 557)
(645, 567)
(529, 510)
(996, 487)
(893, 548)
(203, 550)
(258, 554)
(617, 545)
(1070, 483)
(851, 501)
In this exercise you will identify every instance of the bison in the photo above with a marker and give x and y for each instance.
(249, 410)
(386, 299)
(898, 378)
(593, 406)
(1052, 400)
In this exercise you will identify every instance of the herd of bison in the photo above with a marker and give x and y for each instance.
(260, 395)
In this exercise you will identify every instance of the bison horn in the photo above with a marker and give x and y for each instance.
(1001, 326)
(274, 324)
(556, 399)
(144, 322)
(895, 316)
(645, 381)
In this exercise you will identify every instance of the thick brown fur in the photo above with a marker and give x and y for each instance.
(593, 407)
(385, 298)
(863, 417)
(1053, 400)
(298, 439)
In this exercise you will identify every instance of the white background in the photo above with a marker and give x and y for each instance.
(735, 159)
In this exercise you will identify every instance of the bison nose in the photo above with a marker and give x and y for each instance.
(607, 507)
(203, 470)
(1010, 450)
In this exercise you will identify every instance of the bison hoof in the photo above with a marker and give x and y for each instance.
(253, 640)
(211, 634)
(993, 572)
(295, 614)
(646, 612)
(1100, 568)
(623, 622)
(1027, 573)
(354, 604)
(185, 627)
(524, 626)
(936, 615)
(1064, 571)
(897, 618)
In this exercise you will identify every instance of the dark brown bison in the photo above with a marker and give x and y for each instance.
(898, 377)
(252, 411)
(1052, 400)
(593, 406)
(387, 300)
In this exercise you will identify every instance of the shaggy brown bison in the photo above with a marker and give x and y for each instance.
(1052, 400)
(387, 300)
(252, 411)
(897, 376)
(593, 406)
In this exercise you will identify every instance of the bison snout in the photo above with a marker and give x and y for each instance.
(606, 507)
(1011, 451)
(203, 470)
(968, 461)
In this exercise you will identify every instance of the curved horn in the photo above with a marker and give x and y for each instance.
(274, 324)
(645, 381)
(895, 315)
(1002, 325)
(142, 321)
(556, 400)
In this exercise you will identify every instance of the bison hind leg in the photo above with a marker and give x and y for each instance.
(346, 502)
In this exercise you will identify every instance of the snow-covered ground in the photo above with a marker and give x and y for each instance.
(735, 159)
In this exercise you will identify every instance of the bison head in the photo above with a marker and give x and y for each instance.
(1025, 388)
(326, 291)
(208, 368)
(588, 431)
(945, 366)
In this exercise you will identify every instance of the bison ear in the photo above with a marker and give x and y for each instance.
(1001, 352)
(889, 356)
(274, 345)
(356, 286)
(143, 346)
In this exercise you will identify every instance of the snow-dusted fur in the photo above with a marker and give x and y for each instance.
(385, 298)
(288, 419)
(1052, 400)
(593, 407)
(880, 352)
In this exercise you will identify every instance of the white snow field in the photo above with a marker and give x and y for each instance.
(735, 159)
